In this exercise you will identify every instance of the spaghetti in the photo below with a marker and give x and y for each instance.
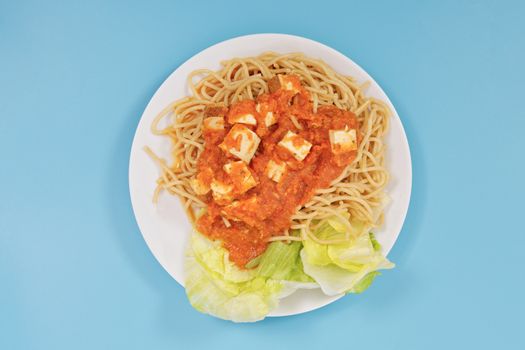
(357, 193)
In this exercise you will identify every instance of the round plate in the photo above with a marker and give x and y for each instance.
(165, 226)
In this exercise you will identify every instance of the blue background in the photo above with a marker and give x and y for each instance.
(75, 77)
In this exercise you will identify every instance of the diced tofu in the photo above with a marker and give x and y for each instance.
(201, 182)
(275, 169)
(222, 193)
(214, 124)
(241, 142)
(242, 112)
(269, 117)
(199, 187)
(246, 210)
(286, 82)
(246, 118)
(290, 83)
(215, 111)
(296, 145)
(343, 141)
(240, 175)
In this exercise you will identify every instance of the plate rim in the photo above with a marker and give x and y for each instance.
(134, 145)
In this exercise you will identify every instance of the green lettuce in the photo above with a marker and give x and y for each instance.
(278, 260)
(216, 286)
(375, 243)
(365, 282)
(281, 261)
(346, 267)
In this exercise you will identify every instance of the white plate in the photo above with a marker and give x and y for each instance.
(166, 228)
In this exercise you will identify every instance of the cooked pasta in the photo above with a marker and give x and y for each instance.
(357, 194)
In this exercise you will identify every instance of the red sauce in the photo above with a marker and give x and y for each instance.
(265, 210)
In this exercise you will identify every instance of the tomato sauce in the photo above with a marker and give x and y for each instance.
(265, 210)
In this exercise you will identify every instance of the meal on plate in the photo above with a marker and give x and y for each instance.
(279, 163)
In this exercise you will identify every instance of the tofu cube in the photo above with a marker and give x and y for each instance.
(214, 124)
(221, 192)
(199, 187)
(297, 145)
(201, 182)
(264, 110)
(343, 141)
(246, 118)
(241, 142)
(288, 82)
(240, 175)
(246, 210)
(275, 169)
(242, 112)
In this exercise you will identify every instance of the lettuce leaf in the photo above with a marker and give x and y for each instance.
(316, 253)
(281, 261)
(346, 267)
(239, 302)
(216, 286)
(375, 243)
(297, 274)
(278, 260)
(365, 282)
(210, 254)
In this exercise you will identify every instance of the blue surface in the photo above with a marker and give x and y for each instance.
(75, 77)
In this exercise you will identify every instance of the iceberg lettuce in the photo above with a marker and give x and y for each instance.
(278, 260)
(281, 261)
(346, 267)
(216, 286)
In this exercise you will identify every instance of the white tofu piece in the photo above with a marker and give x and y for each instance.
(213, 124)
(246, 118)
(343, 141)
(297, 145)
(269, 117)
(221, 192)
(199, 187)
(201, 182)
(240, 175)
(275, 169)
(289, 83)
(242, 210)
(241, 142)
